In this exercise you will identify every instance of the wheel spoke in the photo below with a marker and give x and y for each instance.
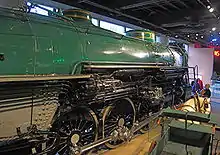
(77, 123)
(110, 126)
(111, 130)
(90, 126)
(83, 125)
(71, 125)
(113, 119)
(63, 131)
(63, 138)
(87, 134)
(87, 138)
(62, 148)
(110, 123)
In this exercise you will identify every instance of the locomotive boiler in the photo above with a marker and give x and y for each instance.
(67, 86)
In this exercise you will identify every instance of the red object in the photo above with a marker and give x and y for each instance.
(200, 84)
(217, 53)
(152, 146)
(197, 45)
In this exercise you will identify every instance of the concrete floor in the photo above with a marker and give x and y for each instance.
(141, 144)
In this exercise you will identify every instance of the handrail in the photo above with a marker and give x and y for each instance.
(193, 116)
(197, 70)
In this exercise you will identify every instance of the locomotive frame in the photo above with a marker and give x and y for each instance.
(95, 99)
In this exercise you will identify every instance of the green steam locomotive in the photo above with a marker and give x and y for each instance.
(67, 86)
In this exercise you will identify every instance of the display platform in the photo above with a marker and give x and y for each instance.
(141, 144)
(137, 146)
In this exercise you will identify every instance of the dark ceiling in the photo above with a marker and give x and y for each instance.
(187, 19)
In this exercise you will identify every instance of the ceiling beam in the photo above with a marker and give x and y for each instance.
(122, 14)
(141, 4)
(180, 1)
(200, 2)
(170, 3)
(161, 6)
(129, 16)
(175, 16)
(144, 22)
(209, 21)
(155, 11)
(152, 9)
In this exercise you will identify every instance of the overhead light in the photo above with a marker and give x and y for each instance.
(202, 36)
(208, 6)
(188, 35)
(214, 28)
(214, 39)
(219, 33)
(176, 36)
(197, 34)
(211, 9)
(196, 38)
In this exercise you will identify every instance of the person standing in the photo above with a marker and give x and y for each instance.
(200, 84)
(196, 87)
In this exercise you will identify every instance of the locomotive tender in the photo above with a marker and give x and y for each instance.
(67, 86)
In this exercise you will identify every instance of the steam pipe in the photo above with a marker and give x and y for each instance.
(122, 62)
(128, 66)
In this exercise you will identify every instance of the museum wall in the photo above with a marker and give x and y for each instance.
(203, 57)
